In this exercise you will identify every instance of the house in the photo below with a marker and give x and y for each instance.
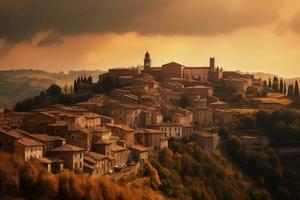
(28, 148)
(184, 118)
(96, 164)
(71, 155)
(8, 138)
(123, 132)
(170, 129)
(138, 152)
(120, 154)
(49, 141)
(103, 146)
(53, 165)
(208, 141)
(202, 117)
(153, 138)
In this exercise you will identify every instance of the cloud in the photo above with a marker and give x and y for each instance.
(294, 24)
(53, 38)
(21, 20)
(5, 47)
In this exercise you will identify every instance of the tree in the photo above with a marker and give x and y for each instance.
(281, 86)
(75, 86)
(54, 90)
(266, 89)
(296, 92)
(291, 90)
(90, 80)
(66, 89)
(284, 88)
(275, 86)
(270, 84)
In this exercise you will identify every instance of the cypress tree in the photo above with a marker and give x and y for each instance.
(291, 90)
(275, 86)
(75, 86)
(281, 86)
(270, 84)
(284, 88)
(296, 92)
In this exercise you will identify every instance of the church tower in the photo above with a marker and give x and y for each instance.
(147, 62)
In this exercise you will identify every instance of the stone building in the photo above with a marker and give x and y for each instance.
(171, 130)
(96, 164)
(123, 132)
(71, 155)
(156, 139)
(28, 148)
(202, 117)
(49, 142)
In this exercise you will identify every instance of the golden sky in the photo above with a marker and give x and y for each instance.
(62, 35)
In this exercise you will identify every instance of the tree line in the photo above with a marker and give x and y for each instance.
(291, 90)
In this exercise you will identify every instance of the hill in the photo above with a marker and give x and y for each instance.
(16, 85)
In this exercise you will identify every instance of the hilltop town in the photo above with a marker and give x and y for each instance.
(131, 114)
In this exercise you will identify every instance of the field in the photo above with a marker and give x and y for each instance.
(274, 98)
(244, 110)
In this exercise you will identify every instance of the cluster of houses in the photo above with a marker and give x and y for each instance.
(108, 132)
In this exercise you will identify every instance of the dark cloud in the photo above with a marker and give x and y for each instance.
(21, 20)
(53, 38)
(294, 24)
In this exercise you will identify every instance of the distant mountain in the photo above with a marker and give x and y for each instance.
(266, 76)
(16, 85)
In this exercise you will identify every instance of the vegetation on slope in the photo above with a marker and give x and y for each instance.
(185, 171)
(29, 180)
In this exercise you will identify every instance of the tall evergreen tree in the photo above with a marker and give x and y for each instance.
(66, 89)
(275, 85)
(270, 84)
(281, 86)
(296, 92)
(291, 90)
(90, 80)
(284, 88)
(75, 86)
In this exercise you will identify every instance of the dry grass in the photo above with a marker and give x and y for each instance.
(244, 110)
(274, 98)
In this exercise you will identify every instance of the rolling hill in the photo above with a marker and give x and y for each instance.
(16, 85)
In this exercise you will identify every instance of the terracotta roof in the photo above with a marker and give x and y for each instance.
(13, 134)
(150, 131)
(115, 147)
(42, 160)
(45, 137)
(94, 156)
(139, 148)
(29, 142)
(67, 147)
(172, 63)
(103, 141)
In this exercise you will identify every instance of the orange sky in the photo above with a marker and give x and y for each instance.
(254, 36)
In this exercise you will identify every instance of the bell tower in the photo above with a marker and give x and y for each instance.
(147, 62)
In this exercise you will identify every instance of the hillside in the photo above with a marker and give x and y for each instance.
(16, 85)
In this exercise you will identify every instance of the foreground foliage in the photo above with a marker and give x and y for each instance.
(185, 171)
(31, 181)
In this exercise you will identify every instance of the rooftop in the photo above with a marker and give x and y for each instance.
(67, 148)
(29, 142)
(45, 137)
